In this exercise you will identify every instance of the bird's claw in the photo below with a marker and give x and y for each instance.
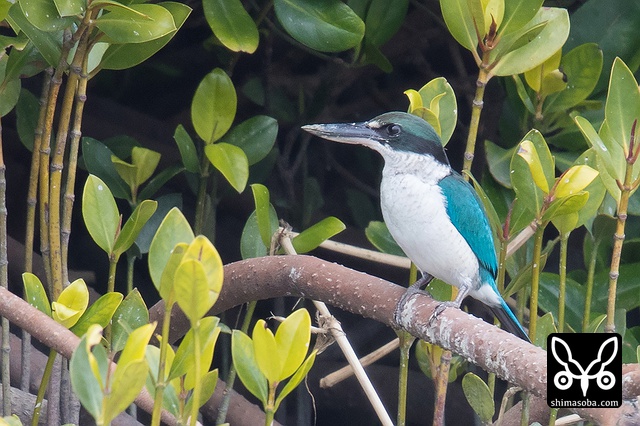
(439, 309)
(404, 300)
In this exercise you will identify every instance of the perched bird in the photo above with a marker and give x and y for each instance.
(434, 215)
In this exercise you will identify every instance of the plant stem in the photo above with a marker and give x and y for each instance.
(269, 408)
(72, 165)
(161, 383)
(564, 242)
(476, 110)
(441, 388)
(43, 387)
(535, 282)
(406, 341)
(201, 202)
(32, 199)
(111, 284)
(4, 282)
(231, 377)
(195, 397)
(591, 272)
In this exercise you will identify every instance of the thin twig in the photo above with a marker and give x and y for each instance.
(4, 282)
(337, 376)
(338, 334)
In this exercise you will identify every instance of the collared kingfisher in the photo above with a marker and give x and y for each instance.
(434, 215)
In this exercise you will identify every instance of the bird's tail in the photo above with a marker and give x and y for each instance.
(509, 321)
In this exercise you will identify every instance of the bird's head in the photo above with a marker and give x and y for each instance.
(389, 133)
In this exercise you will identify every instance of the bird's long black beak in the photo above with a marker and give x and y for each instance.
(351, 133)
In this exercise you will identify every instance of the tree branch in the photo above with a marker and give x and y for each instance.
(494, 350)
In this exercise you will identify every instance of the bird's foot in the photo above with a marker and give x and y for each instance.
(439, 309)
(414, 289)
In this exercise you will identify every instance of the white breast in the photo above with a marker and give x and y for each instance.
(414, 210)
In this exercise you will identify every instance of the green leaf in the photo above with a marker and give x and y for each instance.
(326, 26)
(174, 229)
(35, 294)
(231, 161)
(517, 13)
(378, 234)
(244, 361)
(83, 374)
(100, 312)
(383, 19)
(574, 298)
(9, 90)
(187, 149)
(71, 304)
(297, 378)
(261, 200)
(457, 16)
(523, 95)
(599, 147)
(209, 332)
(49, 44)
(131, 314)
(499, 161)
(623, 103)
(165, 203)
(97, 159)
(582, 66)
(192, 291)
(312, 237)
(44, 15)
(214, 106)
(479, 396)
(70, 7)
(184, 360)
(159, 180)
(208, 386)
(267, 354)
(100, 213)
(256, 136)
(251, 244)
(292, 340)
(27, 112)
(232, 25)
(518, 59)
(136, 23)
(133, 226)
(122, 56)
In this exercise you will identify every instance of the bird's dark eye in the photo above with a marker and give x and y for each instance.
(393, 129)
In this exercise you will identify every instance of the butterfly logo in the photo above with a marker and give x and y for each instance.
(564, 379)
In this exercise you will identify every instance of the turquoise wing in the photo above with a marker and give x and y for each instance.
(468, 215)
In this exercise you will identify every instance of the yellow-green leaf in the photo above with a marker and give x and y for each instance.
(169, 272)
(231, 161)
(268, 356)
(71, 303)
(415, 100)
(292, 339)
(192, 290)
(574, 180)
(528, 152)
(204, 252)
(535, 75)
